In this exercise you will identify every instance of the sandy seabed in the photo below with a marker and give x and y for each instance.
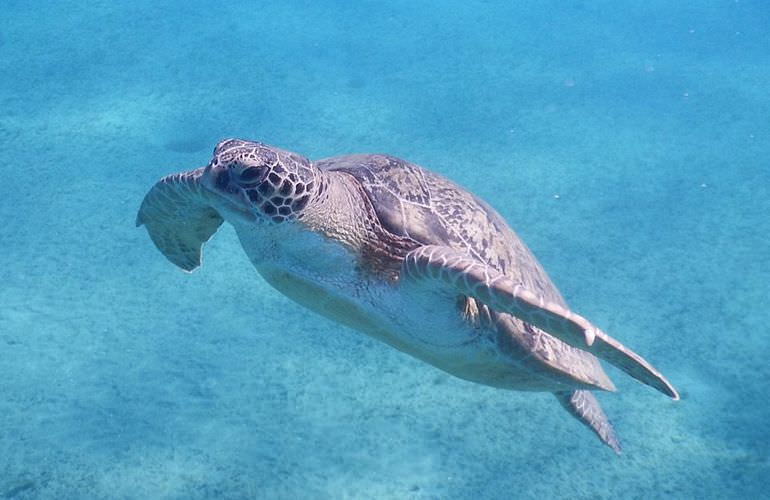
(626, 144)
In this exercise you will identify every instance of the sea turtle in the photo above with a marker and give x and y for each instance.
(402, 254)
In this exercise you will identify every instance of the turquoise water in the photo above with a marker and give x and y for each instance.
(627, 143)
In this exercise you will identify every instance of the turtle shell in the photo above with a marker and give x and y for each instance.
(411, 201)
(416, 203)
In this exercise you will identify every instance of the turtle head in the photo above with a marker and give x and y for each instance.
(261, 182)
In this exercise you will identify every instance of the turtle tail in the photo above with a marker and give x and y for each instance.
(586, 408)
(179, 219)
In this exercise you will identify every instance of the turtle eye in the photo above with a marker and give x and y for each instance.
(251, 175)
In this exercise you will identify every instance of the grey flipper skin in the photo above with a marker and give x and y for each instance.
(450, 267)
(179, 218)
(584, 406)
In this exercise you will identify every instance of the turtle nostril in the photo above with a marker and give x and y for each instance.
(223, 179)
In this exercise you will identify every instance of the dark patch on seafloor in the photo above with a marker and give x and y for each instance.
(187, 144)
(18, 487)
(356, 83)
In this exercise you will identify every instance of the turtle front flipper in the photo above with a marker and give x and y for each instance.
(475, 279)
(178, 218)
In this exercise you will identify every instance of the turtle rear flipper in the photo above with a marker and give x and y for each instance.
(179, 219)
(499, 292)
(584, 406)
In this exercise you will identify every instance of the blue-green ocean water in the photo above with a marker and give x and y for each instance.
(627, 142)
